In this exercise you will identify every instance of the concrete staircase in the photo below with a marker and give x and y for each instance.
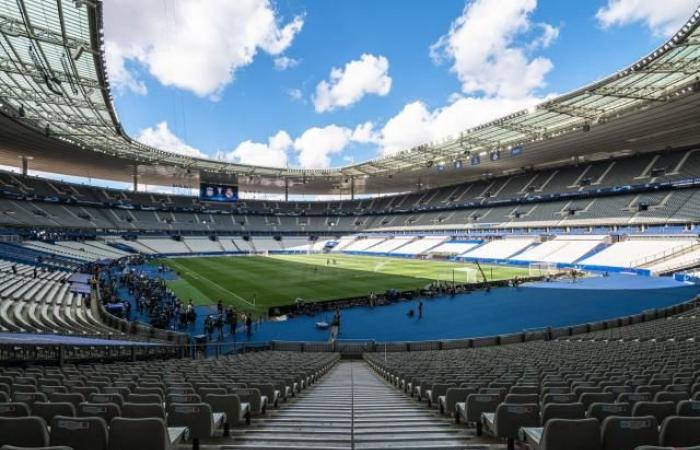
(353, 408)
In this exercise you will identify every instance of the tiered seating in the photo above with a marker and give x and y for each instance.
(419, 246)
(561, 249)
(165, 245)
(361, 245)
(262, 244)
(35, 305)
(636, 252)
(500, 248)
(613, 389)
(201, 244)
(59, 250)
(454, 247)
(390, 245)
(149, 405)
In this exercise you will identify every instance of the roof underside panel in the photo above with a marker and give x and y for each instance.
(53, 81)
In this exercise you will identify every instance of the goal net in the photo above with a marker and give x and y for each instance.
(541, 269)
(460, 275)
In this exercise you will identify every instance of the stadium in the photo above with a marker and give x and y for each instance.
(529, 282)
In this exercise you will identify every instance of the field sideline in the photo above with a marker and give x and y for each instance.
(261, 282)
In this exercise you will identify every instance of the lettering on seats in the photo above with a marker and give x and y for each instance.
(483, 398)
(635, 424)
(519, 409)
(185, 410)
(94, 409)
(73, 425)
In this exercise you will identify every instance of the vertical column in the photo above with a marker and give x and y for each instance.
(286, 189)
(24, 165)
(352, 188)
(135, 176)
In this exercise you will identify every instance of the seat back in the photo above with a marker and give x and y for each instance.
(521, 399)
(14, 409)
(196, 416)
(660, 410)
(106, 398)
(143, 410)
(688, 408)
(601, 411)
(73, 398)
(47, 411)
(107, 411)
(680, 431)
(675, 397)
(589, 398)
(29, 397)
(230, 404)
(480, 403)
(628, 433)
(79, 433)
(23, 431)
(511, 417)
(567, 434)
(571, 411)
(559, 398)
(143, 398)
(138, 434)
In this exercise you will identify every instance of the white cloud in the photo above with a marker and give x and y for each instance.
(481, 44)
(347, 86)
(295, 94)
(190, 45)
(272, 154)
(162, 138)
(284, 63)
(316, 145)
(662, 17)
(415, 124)
(121, 79)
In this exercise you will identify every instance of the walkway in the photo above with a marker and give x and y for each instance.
(353, 408)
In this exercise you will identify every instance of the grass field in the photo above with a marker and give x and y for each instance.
(260, 282)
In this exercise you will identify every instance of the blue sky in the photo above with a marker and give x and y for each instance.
(250, 81)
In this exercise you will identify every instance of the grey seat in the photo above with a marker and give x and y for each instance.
(509, 418)
(660, 410)
(192, 398)
(143, 410)
(680, 431)
(628, 433)
(138, 434)
(197, 417)
(106, 398)
(24, 431)
(566, 434)
(688, 408)
(79, 433)
(107, 411)
(73, 398)
(230, 404)
(4, 397)
(475, 406)
(569, 411)
(589, 398)
(521, 399)
(634, 397)
(29, 397)
(47, 411)
(257, 404)
(452, 396)
(143, 398)
(601, 411)
(14, 409)
(559, 398)
(675, 397)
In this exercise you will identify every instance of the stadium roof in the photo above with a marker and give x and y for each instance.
(57, 108)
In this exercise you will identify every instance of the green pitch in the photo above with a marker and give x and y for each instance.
(260, 282)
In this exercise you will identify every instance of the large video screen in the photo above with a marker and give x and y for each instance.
(218, 192)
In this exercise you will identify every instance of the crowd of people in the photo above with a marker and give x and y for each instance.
(152, 298)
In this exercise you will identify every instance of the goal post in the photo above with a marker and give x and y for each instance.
(460, 275)
(542, 269)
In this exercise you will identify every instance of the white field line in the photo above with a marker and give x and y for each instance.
(196, 275)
